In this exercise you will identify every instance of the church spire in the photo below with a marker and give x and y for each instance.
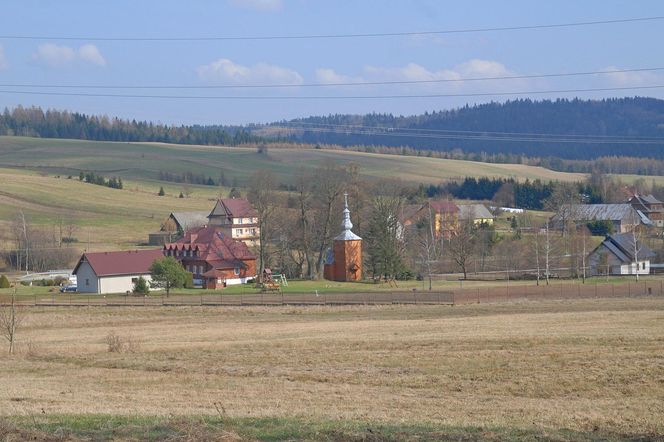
(346, 224)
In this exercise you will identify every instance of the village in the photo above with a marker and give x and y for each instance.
(222, 247)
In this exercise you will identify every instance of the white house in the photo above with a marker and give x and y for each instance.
(620, 254)
(114, 272)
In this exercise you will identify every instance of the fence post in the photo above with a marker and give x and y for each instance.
(629, 289)
(595, 289)
(578, 291)
(613, 290)
(478, 295)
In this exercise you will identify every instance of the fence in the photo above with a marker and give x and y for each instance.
(457, 296)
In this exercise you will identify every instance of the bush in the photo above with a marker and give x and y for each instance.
(141, 286)
(189, 281)
(4, 282)
(116, 344)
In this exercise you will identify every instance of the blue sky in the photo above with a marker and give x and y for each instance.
(208, 63)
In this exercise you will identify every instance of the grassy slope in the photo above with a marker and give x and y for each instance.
(529, 370)
(145, 160)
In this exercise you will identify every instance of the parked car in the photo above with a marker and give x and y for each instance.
(68, 288)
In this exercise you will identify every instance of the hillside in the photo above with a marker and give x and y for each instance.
(468, 128)
(144, 161)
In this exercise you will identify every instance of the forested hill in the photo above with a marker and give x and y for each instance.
(588, 120)
(571, 129)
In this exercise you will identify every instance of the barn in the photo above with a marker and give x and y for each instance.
(114, 272)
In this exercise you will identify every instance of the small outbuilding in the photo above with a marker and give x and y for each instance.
(620, 254)
(114, 272)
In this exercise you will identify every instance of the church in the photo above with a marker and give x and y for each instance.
(344, 259)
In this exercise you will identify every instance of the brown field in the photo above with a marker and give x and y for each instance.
(583, 365)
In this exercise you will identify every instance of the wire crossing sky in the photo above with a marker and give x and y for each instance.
(383, 56)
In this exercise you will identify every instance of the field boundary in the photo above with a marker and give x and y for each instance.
(460, 296)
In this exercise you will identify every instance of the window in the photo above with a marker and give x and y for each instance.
(253, 231)
(134, 280)
(87, 282)
(643, 266)
(236, 270)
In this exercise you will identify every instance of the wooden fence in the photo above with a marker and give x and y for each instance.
(457, 296)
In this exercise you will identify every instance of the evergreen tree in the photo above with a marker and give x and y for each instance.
(161, 191)
(141, 286)
(4, 282)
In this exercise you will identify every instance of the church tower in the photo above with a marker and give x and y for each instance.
(344, 260)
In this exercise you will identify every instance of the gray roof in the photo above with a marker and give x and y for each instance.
(190, 220)
(476, 211)
(600, 212)
(622, 246)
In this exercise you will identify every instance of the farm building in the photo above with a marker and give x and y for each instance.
(114, 272)
(620, 254)
(623, 217)
(650, 207)
(478, 213)
(175, 225)
(214, 258)
(444, 215)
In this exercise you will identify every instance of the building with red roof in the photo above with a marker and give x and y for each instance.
(237, 218)
(214, 258)
(114, 272)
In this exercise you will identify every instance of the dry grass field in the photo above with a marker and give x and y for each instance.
(562, 370)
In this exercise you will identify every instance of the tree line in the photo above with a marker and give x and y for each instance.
(35, 122)
(623, 117)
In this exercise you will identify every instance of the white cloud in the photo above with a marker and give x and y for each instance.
(482, 68)
(226, 71)
(330, 76)
(91, 54)
(626, 79)
(54, 55)
(474, 68)
(258, 5)
(4, 64)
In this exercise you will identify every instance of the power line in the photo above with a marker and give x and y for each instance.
(359, 83)
(332, 97)
(336, 36)
(341, 127)
(482, 138)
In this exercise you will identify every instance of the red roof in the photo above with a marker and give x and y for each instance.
(444, 206)
(130, 262)
(213, 246)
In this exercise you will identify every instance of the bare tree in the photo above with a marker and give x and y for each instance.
(462, 245)
(10, 321)
(262, 195)
(329, 184)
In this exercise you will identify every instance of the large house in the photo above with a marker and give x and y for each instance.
(215, 259)
(650, 207)
(446, 217)
(620, 254)
(236, 217)
(114, 272)
(623, 217)
(443, 214)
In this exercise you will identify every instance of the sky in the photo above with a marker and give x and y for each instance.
(48, 59)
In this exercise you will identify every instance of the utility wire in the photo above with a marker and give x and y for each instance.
(341, 127)
(331, 97)
(358, 83)
(481, 138)
(336, 36)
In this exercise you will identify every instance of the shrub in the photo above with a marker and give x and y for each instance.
(189, 281)
(141, 286)
(4, 282)
(117, 344)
